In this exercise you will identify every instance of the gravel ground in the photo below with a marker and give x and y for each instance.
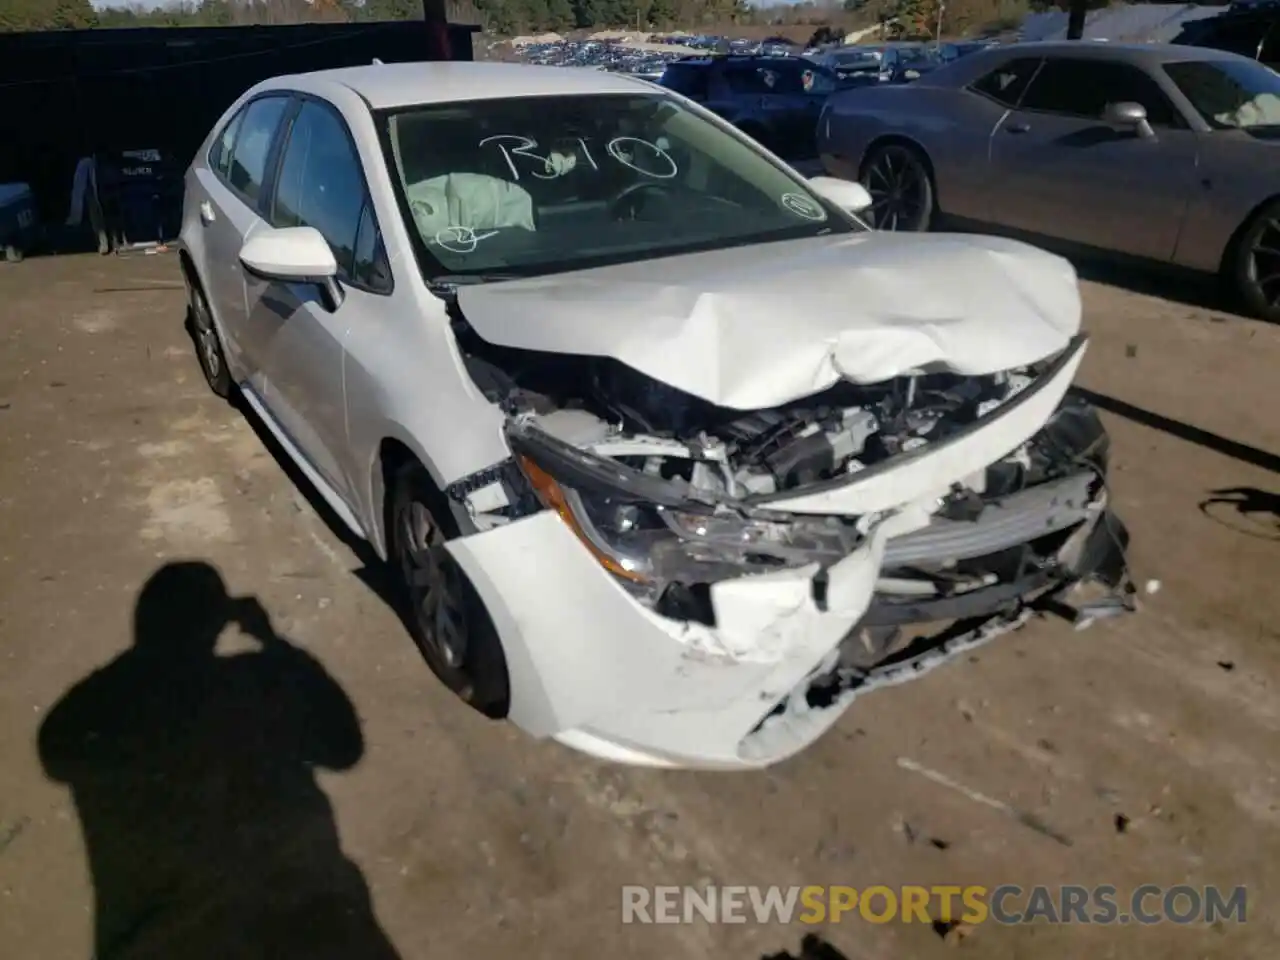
(347, 806)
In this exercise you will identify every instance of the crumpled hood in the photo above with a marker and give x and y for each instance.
(757, 326)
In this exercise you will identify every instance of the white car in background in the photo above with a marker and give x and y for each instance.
(663, 444)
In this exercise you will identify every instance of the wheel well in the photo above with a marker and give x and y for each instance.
(193, 283)
(912, 145)
(188, 268)
(392, 455)
(1229, 251)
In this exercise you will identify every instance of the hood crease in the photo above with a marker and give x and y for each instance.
(758, 326)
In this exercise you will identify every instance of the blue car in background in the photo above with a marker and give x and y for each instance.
(774, 100)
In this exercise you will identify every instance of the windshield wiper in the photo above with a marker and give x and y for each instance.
(463, 279)
(448, 283)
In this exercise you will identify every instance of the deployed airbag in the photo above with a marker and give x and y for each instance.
(468, 201)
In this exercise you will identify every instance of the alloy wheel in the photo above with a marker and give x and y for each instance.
(206, 337)
(434, 584)
(1264, 261)
(899, 188)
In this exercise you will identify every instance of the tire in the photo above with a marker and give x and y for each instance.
(1255, 266)
(204, 335)
(433, 591)
(902, 191)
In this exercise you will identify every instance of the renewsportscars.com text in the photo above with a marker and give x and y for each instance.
(1005, 904)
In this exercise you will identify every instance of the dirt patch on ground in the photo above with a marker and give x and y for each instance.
(1141, 751)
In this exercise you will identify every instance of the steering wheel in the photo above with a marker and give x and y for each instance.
(661, 187)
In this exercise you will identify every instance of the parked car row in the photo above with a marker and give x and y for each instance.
(598, 55)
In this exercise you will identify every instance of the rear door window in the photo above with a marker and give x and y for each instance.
(693, 82)
(220, 152)
(748, 80)
(253, 142)
(1243, 36)
(784, 78)
(1008, 82)
(1270, 50)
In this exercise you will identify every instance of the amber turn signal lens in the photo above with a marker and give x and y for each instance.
(553, 498)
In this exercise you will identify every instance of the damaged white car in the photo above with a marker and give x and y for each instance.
(665, 447)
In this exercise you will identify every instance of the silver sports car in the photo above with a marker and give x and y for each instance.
(1166, 153)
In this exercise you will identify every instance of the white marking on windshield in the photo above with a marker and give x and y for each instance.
(461, 239)
(554, 165)
(802, 206)
(643, 156)
(618, 151)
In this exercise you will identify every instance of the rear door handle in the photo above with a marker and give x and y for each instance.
(207, 215)
(1019, 128)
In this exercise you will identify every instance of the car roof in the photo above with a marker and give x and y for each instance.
(390, 85)
(718, 59)
(1150, 53)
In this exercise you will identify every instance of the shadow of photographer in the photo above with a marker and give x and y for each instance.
(194, 777)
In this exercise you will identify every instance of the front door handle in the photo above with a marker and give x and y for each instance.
(207, 215)
(1019, 128)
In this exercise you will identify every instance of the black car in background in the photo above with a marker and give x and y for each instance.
(774, 100)
(853, 64)
(1249, 29)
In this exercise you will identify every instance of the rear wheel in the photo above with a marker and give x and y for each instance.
(1256, 267)
(213, 362)
(445, 616)
(897, 177)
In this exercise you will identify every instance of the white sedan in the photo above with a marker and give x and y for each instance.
(663, 443)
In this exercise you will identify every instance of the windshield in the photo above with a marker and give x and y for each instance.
(526, 186)
(927, 56)
(1230, 94)
(854, 58)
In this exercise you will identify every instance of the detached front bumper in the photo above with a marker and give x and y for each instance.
(596, 669)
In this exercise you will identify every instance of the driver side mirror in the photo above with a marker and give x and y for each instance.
(1130, 116)
(845, 194)
(294, 255)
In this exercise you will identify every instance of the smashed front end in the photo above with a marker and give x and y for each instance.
(809, 544)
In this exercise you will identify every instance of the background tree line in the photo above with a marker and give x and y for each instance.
(917, 18)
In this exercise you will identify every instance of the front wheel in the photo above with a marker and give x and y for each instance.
(445, 616)
(897, 177)
(1255, 271)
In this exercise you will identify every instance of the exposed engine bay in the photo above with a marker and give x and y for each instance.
(604, 406)
(991, 539)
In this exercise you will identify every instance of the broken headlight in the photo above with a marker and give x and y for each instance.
(645, 532)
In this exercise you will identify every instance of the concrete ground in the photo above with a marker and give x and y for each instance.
(1150, 746)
